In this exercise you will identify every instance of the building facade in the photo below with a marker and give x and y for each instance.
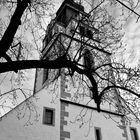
(57, 110)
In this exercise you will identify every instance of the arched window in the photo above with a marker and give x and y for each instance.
(88, 59)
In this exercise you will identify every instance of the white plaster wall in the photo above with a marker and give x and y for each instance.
(108, 126)
(82, 95)
(13, 129)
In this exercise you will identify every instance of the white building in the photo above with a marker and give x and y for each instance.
(61, 114)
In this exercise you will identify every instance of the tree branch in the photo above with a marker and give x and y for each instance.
(10, 32)
(128, 8)
(118, 87)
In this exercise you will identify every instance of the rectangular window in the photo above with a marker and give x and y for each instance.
(88, 59)
(45, 75)
(85, 32)
(82, 30)
(134, 133)
(89, 34)
(48, 116)
(97, 133)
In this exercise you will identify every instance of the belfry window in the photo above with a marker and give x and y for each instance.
(88, 59)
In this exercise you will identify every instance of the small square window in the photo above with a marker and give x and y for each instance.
(48, 116)
(97, 133)
(134, 133)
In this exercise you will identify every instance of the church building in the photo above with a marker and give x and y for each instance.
(61, 107)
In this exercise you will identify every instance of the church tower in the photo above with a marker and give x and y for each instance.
(63, 106)
(72, 26)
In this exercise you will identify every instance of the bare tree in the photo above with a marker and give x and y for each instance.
(100, 73)
(24, 45)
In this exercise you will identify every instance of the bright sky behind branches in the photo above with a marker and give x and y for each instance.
(130, 54)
